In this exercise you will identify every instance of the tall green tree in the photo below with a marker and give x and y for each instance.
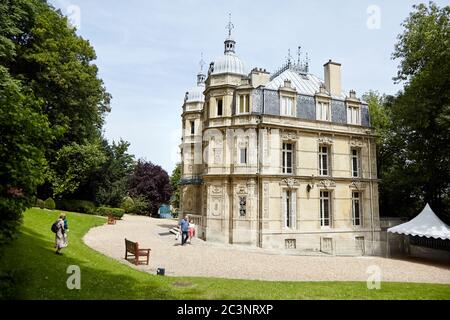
(24, 133)
(420, 172)
(39, 48)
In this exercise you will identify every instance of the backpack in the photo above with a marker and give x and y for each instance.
(55, 227)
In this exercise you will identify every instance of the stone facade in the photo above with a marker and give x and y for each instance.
(257, 176)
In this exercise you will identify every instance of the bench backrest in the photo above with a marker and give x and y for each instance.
(131, 246)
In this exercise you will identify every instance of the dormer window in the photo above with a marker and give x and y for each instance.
(287, 106)
(323, 111)
(353, 115)
(244, 103)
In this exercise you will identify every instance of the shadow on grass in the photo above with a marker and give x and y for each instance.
(41, 274)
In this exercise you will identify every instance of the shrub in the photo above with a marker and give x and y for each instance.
(83, 206)
(116, 212)
(50, 204)
(127, 205)
(40, 203)
(141, 205)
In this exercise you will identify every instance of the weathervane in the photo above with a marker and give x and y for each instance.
(201, 63)
(230, 25)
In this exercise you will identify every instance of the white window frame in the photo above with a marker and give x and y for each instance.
(285, 153)
(357, 200)
(287, 106)
(353, 115)
(323, 111)
(354, 157)
(324, 172)
(290, 208)
(246, 100)
(322, 205)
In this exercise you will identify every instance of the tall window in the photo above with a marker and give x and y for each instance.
(289, 208)
(219, 107)
(353, 115)
(244, 103)
(192, 127)
(243, 156)
(356, 208)
(325, 209)
(287, 157)
(324, 162)
(287, 106)
(355, 162)
(323, 111)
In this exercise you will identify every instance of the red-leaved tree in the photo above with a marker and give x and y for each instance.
(152, 182)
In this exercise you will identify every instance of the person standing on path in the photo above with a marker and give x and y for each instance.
(184, 226)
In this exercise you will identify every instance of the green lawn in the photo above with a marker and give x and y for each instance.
(40, 274)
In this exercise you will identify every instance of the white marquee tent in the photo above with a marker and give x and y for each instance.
(425, 224)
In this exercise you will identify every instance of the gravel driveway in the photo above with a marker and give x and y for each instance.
(225, 261)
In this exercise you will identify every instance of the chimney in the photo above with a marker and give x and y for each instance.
(332, 71)
(259, 77)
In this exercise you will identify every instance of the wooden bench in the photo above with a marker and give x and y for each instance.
(133, 248)
(111, 219)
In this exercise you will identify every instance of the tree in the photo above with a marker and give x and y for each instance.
(110, 184)
(74, 165)
(175, 180)
(23, 136)
(55, 67)
(152, 182)
(420, 170)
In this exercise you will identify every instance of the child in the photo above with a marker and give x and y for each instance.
(191, 230)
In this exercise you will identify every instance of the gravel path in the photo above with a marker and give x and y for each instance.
(225, 261)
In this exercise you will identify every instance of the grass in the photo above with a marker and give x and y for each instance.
(40, 274)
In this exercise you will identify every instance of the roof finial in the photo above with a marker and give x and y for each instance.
(299, 53)
(201, 63)
(229, 26)
(289, 57)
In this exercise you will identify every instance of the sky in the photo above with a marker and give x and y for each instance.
(148, 52)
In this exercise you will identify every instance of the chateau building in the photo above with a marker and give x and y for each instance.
(284, 160)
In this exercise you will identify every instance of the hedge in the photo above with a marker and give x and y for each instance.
(82, 206)
(49, 204)
(116, 212)
(40, 203)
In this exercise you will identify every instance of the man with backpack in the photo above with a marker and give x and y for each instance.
(60, 234)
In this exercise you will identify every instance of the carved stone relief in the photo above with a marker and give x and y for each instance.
(326, 184)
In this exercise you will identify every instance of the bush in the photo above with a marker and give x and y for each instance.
(50, 204)
(40, 203)
(141, 205)
(116, 212)
(127, 205)
(82, 206)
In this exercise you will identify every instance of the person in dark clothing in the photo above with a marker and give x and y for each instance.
(184, 227)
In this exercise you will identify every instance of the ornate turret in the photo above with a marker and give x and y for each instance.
(230, 44)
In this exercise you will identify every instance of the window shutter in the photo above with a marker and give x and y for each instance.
(294, 209)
